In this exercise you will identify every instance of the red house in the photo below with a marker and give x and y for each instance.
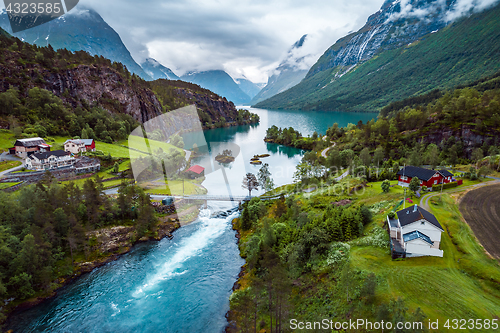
(89, 144)
(427, 177)
(195, 171)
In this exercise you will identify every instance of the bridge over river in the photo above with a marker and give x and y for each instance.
(212, 197)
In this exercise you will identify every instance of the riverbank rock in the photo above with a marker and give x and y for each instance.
(110, 240)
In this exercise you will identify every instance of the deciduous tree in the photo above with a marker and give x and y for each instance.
(250, 183)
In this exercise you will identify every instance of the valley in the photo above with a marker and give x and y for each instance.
(361, 184)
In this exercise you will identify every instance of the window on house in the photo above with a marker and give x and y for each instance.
(423, 222)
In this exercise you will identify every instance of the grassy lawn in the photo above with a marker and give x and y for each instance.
(7, 140)
(115, 149)
(120, 149)
(459, 285)
(138, 143)
(124, 166)
(174, 187)
(6, 165)
(3, 186)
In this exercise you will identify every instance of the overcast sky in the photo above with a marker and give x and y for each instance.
(243, 37)
(246, 38)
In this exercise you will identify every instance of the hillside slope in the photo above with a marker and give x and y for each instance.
(463, 51)
(157, 71)
(62, 93)
(288, 74)
(219, 82)
(82, 29)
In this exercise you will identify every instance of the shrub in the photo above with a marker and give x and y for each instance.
(378, 238)
(437, 187)
(339, 252)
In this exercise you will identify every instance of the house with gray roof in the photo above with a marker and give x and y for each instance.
(426, 177)
(26, 147)
(415, 233)
(76, 146)
(50, 160)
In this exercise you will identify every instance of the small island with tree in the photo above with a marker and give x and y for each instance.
(225, 157)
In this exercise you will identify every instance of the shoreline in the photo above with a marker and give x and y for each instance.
(231, 324)
(165, 230)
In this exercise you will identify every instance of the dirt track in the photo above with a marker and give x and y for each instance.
(481, 210)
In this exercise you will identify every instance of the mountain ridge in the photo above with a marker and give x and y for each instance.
(463, 51)
(157, 71)
(82, 29)
(219, 82)
(285, 76)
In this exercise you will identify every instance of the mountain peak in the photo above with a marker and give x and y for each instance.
(157, 71)
(81, 29)
(219, 82)
(289, 73)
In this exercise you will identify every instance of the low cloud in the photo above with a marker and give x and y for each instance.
(467, 7)
(448, 12)
(245, 37)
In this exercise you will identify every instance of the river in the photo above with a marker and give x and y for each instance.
(183, 284)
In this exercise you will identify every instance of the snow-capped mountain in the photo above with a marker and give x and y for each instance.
(288, 74)
(157, 71)
(82, 29)
(408, 47)
(220, 83)
(396, 24)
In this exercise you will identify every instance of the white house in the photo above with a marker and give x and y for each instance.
(414, 233)
(49, 160)
(76, 146)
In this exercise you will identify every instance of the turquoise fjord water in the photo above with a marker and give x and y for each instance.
(183, 284)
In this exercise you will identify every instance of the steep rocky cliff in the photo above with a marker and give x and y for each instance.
(407, 48)
(396, 24)
(82, 80)
(288, 74)
(103, 86)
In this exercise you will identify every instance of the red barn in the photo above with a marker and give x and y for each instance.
(427, 177)
(89, 144)
(195, 171)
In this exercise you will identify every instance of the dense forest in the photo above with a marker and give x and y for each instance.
(44, 230)
(298, 266)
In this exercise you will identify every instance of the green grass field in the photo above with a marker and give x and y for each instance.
(138, 143)
(6, 165)
(120, 149)
(462, 284)
(7, 140)
(4, 186)
(174, 188)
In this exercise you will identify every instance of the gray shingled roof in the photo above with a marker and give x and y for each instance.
(415, 213)
(421, 173)
(45, 155)
(32, 142)
(445, 173)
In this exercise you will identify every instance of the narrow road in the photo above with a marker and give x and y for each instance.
(8, 157)
(424, 201)
(323, 153)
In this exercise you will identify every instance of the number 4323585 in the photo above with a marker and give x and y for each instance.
(34, 8)
(471, 324)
